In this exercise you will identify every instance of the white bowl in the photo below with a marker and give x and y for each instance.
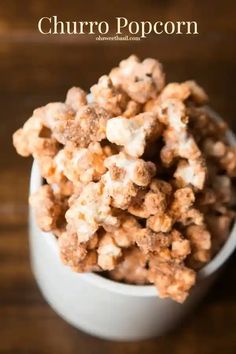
(103, 307)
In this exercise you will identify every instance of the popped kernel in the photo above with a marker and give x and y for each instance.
(125, 174)
(133, 268)
(132, 109)
(108, 252)
(219, 226)
(186, 90)
(88, 264)
(180, 91)
(147, 203)
(183, 199)
(180, 246)
(107, 96)
(200, 240)
(89, 211)
(124, 235)
(192, 172)
(82, 165)
(140, 80)
(172, 280)
(34, 139)
(71, 251)
(75, 98)
(228, 161)
(52, 215)
(151, 201)
(54, 114)
(160, 222)
(88, 125)
(134, 133)
(149, 241)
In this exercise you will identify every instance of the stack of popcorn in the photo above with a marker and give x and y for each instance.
(138, 182)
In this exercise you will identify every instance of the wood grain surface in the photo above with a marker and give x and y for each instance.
(34, 70)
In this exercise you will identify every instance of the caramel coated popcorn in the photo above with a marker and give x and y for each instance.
(138, 179)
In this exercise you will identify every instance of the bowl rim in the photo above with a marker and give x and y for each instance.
(138, 290)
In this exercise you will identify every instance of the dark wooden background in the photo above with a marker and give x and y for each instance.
(36, 69)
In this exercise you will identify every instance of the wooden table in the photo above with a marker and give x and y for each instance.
(36, 69)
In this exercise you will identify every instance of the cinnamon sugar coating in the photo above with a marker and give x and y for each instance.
(151, 201)
(132, 268)
(82, 165)
(140, 80)
(172, 280)
(90, 211)
(124, 176)
(109, 97)
(35, 139)
(139, 177)
(49, 208)
(88, 125)
(134, 133)
(108, 252)
(75, 98)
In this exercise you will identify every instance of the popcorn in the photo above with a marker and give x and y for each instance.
(124, 235)
(82, 164)
(222, 187)
(54, 114)
(192, 172)
(180, 247)
(228, 161)
(132, 269)
(149, 241)
(200, 240)
(125, 174)
(75, 98)
(50, 168)
(188, 89)
(51, 216)
(140, 80)
(108, 252)
(178, 142)
(172, 280)
(90, 211)
(160, 222)
(133, 133)
(204, 126)
(151, 201)
(226, 155)
(139, 182)
(182, 201)
(34, 139)
(219, 226)
(88, 125)
(72, 253)
(112, 99)
(181, 208)
(132, 109)
(191, 216)
(213, 148)
(88, 264)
